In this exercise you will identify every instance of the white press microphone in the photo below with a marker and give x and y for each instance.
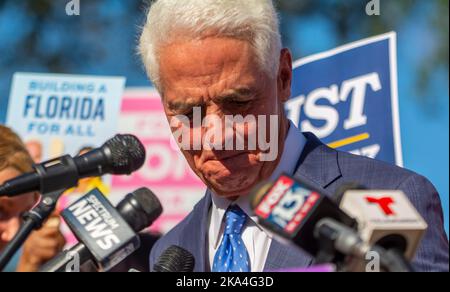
(386, 218)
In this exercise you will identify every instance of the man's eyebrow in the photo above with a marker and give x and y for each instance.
(235, 94)
(182, 105)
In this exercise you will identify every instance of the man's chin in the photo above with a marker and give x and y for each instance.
(232, 193)
(230, 185)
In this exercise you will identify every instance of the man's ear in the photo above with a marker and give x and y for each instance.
(285, 75)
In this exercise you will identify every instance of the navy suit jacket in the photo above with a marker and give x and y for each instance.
(327, 169)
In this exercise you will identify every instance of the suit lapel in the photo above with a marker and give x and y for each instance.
(318, 165)
(195, 237)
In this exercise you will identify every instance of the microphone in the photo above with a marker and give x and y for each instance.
(121, 155)
(107, 235)
(386, 218)
(348, 242)
(175, 259)
(292, 209)
(298, 213)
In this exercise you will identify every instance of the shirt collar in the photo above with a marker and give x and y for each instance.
(293, 147)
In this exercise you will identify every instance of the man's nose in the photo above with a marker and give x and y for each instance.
(214, 131)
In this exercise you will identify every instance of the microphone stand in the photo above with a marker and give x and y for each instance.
(33, 220)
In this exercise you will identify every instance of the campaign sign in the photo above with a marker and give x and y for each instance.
(56, 114)
(348, 97)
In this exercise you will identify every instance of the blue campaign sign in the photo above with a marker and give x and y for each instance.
(348, 97)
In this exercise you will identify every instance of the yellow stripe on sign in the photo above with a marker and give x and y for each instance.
(349, 140)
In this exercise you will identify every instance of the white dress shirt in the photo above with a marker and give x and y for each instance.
(257, 240)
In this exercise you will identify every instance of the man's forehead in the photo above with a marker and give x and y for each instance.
(193, 72)
(206, 60)
(208, 50)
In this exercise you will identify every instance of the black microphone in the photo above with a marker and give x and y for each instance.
(122, 154)
(175, 259)
(107, 235)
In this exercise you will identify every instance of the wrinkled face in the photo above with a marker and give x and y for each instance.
(221, 77)
(11, 209)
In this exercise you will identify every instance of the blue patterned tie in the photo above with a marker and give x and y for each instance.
(232, 255)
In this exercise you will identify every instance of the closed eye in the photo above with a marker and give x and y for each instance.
(241, 102)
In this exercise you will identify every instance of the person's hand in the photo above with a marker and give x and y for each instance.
(42, 246)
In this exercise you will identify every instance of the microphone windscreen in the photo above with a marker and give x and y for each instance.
(140, 208)
(126, 154)
(175, 259)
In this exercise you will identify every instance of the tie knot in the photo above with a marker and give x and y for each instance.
(234, 220)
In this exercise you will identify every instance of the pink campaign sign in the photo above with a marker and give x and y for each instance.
(165, 171)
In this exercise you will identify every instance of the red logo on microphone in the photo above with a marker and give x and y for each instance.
(384, 204)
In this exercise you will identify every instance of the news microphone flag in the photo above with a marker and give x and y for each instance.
(386, 218)
(101, 228)
(139, 209)
(291, 209)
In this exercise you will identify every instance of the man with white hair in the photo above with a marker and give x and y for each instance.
(221, 58)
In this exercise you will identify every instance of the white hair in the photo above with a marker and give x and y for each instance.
(255, 21)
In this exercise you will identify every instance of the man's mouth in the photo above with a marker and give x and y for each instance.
(226, 157)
